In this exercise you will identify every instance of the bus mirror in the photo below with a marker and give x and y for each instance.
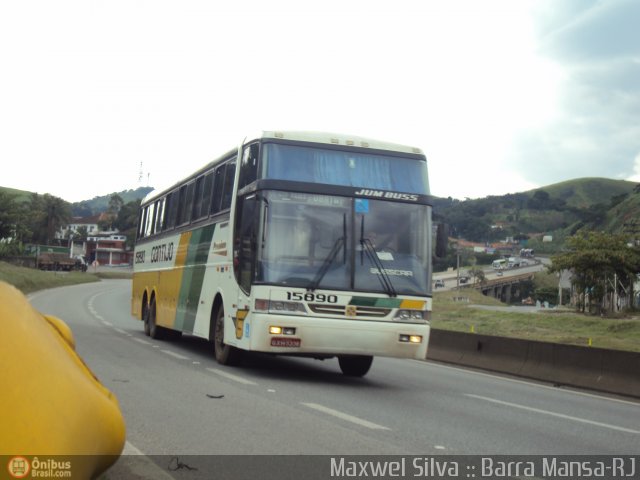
(442, 236)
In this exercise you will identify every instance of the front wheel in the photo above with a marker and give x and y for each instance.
(355, 365)
(225, 354)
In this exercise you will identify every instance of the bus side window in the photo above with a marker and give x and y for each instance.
(206, 194)
(197, 198)
(141, 222)
(188, 205)
(245, 241)
(227, 191)
(159, 215)
(217, 189)
(149, 224)
(181, 203)
(249, 167)
(172, 211)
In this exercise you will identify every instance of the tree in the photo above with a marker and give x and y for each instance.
(127, 220)
(595, 259)
(115, 204)
(9, 215)
(47, 214)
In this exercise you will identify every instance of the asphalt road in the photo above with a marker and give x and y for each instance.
(177, 400)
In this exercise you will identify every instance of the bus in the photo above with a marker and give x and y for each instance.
(499, 264)
(293, 243)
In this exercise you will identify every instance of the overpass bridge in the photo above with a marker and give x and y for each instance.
(503, 288)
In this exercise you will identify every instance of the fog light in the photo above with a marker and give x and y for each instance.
(275, 330)
(289, 331)
(410, 338)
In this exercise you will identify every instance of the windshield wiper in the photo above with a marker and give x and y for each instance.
(384, 278)
(326, 264)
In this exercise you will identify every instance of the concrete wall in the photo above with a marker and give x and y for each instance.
(586, 367)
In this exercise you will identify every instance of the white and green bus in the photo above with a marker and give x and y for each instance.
(294, 243)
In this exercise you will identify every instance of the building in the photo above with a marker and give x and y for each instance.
(108, 249)
(105, 247)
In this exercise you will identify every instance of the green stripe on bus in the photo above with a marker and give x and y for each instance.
(375, 302)
(193, 278)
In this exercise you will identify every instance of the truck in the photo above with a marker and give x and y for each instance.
(60, 262)
(513, 262)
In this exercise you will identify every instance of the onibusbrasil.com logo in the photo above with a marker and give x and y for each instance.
(21, 467)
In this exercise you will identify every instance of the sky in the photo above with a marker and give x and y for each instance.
(502, 96)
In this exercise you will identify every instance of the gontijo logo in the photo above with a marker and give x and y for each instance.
(19, 467)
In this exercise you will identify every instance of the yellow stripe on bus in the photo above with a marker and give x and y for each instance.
(169, 285)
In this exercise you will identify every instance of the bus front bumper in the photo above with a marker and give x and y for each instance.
(327, 336)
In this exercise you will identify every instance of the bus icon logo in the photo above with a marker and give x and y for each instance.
(19, 467)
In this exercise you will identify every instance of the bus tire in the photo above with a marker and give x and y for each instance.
(155, 332)
(355, 365)
(145, 319)
(225, 354)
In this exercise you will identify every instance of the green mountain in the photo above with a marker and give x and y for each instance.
(559, 210)
(86, 208)
(96, 205)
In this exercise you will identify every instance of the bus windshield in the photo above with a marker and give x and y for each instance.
(332, 242)
(345, 168)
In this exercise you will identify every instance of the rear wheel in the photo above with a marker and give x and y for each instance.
(355, 365)
(225, 354)
(155, 332)
(145, 318)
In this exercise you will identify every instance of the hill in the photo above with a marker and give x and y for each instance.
(585, 192)
(559, 210)
(96, 205)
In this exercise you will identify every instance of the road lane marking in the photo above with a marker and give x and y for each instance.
(135, 464)
(554, 414)
(532, 382)
(175, 355)
(231, 376)
(345, 416)
(142, 341)
(119, 330)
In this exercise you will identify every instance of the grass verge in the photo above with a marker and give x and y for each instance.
(29, 280)
(458, 311)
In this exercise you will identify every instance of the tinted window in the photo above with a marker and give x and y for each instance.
(197, 198)
(249, 167)
(227, 191)
(217, 188)
(206, 194)
(346, 168)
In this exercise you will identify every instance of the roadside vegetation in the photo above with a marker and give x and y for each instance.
(29, 280)
(464, 311)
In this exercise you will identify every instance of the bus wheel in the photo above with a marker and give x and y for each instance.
(145, 318)
(155, 331)
(225, 354)
(355, 365)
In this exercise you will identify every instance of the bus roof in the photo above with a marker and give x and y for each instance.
(338, 139)
(296, 136)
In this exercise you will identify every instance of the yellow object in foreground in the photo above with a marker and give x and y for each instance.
(51, 405)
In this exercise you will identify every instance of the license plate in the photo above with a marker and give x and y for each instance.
(285, 342)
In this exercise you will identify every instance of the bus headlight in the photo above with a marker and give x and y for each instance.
(411, 316)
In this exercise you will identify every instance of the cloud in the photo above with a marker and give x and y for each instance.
(596, 131)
